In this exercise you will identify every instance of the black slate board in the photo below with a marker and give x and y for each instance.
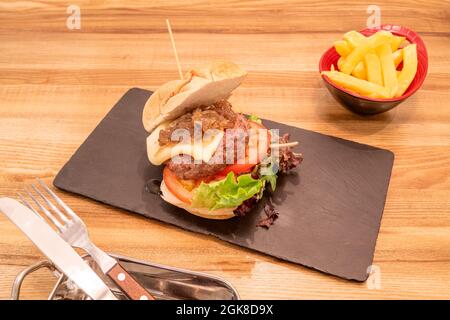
(330, 207)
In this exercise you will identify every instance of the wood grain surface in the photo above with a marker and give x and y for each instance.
(57, 84)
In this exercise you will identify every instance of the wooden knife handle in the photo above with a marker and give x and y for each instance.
(128, 285)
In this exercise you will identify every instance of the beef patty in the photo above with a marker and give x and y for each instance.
(217, 116)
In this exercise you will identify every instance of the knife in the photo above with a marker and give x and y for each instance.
(63, 256)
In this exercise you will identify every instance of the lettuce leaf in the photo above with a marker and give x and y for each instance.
(254, 118)
(271, 178)
(267, 171)
(229, 192)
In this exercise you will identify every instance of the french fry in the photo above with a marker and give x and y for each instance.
(396, 41)
(340, 63)
(368, 65)
(388, 69)
(362, 87)
(398, 57)
(354, 38)
(360, 71)
(373, 68)
(361, 50)
(342, 47)
(409, 69)
(404, 43)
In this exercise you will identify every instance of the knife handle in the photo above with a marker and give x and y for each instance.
(127, 283)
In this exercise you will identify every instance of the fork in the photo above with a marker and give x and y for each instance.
(73, 230)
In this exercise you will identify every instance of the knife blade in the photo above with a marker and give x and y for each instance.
(63, 256)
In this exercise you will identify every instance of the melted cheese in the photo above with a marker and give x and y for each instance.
(199, 151)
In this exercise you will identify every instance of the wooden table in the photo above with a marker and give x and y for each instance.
(57, 84)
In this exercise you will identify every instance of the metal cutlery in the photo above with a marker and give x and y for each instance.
(63, 256)
(164, 282)
(73, 230)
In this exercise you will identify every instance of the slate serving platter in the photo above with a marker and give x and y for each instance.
(330, 207)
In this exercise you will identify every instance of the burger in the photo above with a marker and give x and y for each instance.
(217, 162)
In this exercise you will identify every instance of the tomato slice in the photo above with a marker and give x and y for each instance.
(175, 186)
(239, 168)
(236, 168)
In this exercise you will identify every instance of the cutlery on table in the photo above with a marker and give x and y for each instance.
(73, 230)
(63, 256)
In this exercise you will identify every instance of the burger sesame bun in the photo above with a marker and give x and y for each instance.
(220, 214)
(201, 86)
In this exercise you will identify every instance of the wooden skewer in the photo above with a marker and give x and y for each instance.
(273, 145)
(174, 49)
(283, 145)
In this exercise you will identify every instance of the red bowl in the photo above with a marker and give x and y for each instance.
(365, 105)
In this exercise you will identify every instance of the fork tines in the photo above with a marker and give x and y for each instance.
(63, 217)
